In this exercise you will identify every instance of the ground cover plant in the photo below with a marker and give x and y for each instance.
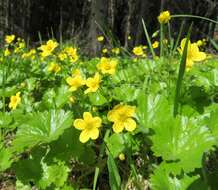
(139, 119)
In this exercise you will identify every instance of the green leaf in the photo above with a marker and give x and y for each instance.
(161, 180)
(21, 186)
(126, 93)
(56, 174)
(5, 120)
(115, 144)
(181, 141)
(5, 158)
(9, 91)
(142, 109)
(95, 178)
(28, 170)
(213, 123)
(97, 99)
(48, 99)
(114, 176)
(62, 96)
(66, 147)
(41, 127)
(182, 67)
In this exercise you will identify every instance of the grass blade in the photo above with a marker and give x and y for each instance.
(114, 176)
(179, 36)
(95, 178)
(213, 42)
(195, 16)
(148, 39)
(181, 73)
(161, 39)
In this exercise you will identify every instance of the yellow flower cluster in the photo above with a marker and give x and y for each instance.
(48, 48)
(9, 38)
(100, 38)
(116, 51)
(93, 83)
(193, 53)
(107, 65)
(7, 52)
(164, 17)
(54, 67)
(20, 45)
(14, 101)
(75, 81)
(139, 51)
(30, 54)
(201, 43)
(89, 126)
(121, 115)
(69, 53)
(155, 44)
(72, 53)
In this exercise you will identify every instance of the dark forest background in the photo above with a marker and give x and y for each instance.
(76, 19)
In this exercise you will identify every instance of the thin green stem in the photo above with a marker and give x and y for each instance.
(3, 87)
(195, 16)
(181, 74)
(148, 39)
(95, 178)
(178, 38)
(161, 39)
(170, 37)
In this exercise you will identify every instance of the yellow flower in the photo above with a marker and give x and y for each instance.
(54, 67)
(21, 45)
(48, 48)
(75, 82)
(107, 66)
(138, 50)
(129, 37)
(31, 53)
(62, 56)
(100, 38)
(72, 53)
(93, 83)
(14, 101)
(155, 44)
(164, 17)
(201, 43)
(193, 53)
(72, 99)
(122, 115)
(165, 41)
(89, 126)
(144, 47)
(9, 39)
(116, 51)
(122, 156)
(104, 50)
(7, 52)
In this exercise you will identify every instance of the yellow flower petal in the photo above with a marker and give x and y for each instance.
(130, 124)
(189, 63)
(118, 127)
(84, 136)
(87, 116)
(200, 56)
(129, 110)
(97, 122)
(94, 133)
(79, 124)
